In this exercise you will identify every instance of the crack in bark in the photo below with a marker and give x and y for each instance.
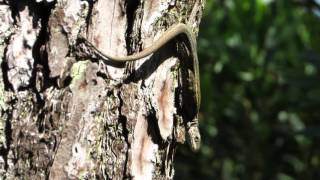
(125, 133)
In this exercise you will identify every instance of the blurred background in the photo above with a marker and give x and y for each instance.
(260, 80)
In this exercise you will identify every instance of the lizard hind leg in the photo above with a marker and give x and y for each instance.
(190, 104)
(194, 138)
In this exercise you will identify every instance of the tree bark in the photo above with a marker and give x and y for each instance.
(66, 114)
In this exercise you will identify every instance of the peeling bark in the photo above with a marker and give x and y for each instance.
(66, 114)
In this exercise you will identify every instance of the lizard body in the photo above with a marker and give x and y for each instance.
(168, 35)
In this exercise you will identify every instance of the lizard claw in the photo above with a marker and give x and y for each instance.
(194, 138)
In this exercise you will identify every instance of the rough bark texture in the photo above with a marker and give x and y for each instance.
(66, 114)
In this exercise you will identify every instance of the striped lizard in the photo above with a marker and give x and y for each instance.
(168, 35)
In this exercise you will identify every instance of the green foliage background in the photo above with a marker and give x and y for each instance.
(260, 80)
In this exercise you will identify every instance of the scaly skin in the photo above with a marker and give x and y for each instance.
(168, 35)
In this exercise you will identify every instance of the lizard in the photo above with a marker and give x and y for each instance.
(170, 34)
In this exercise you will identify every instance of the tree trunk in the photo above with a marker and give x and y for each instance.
(68, 114)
